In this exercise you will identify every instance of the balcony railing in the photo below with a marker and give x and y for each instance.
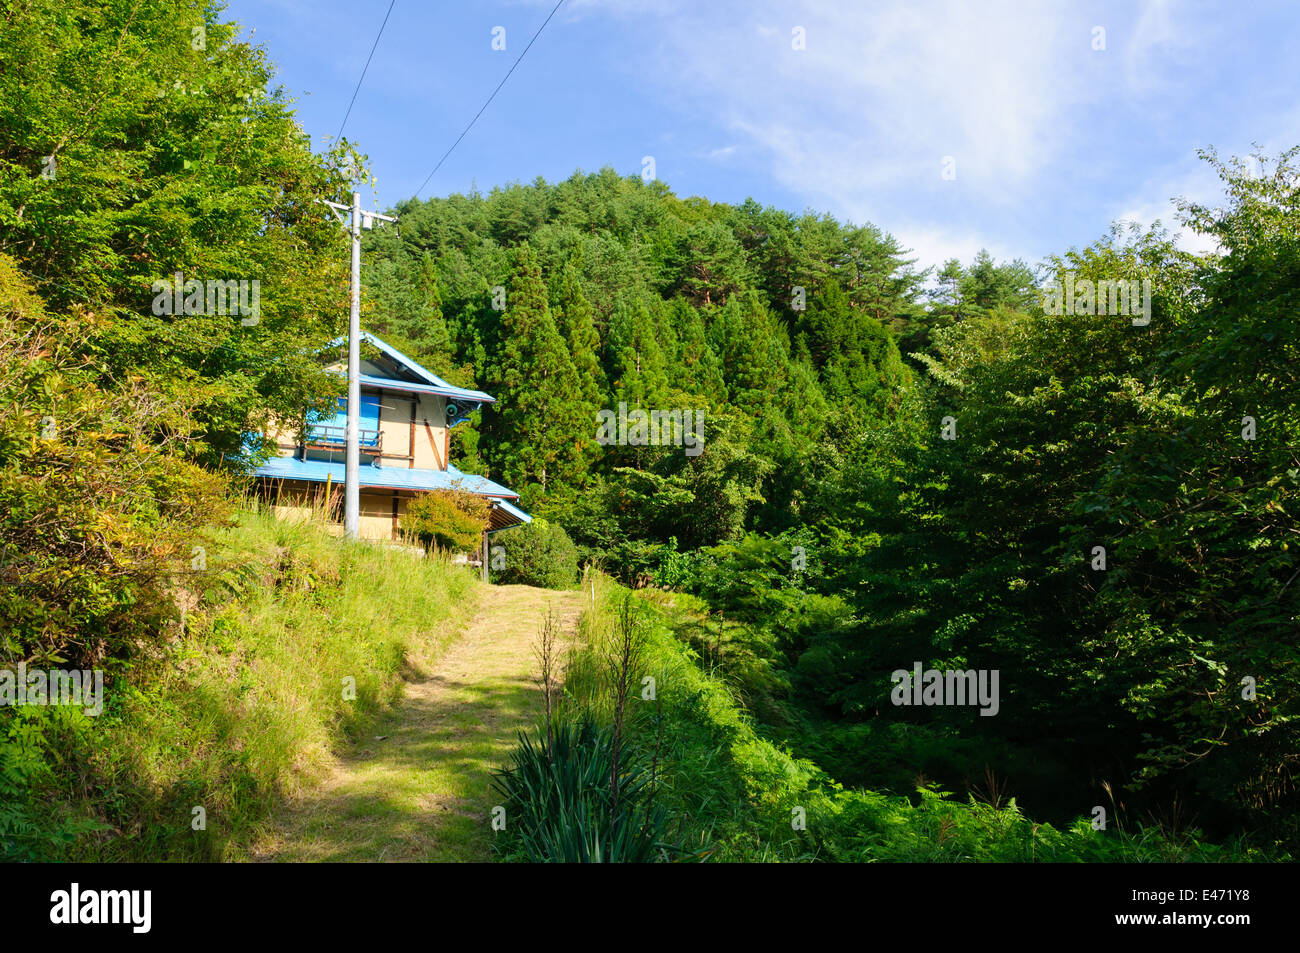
(327, 437)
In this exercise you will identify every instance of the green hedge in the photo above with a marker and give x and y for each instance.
(539, 553)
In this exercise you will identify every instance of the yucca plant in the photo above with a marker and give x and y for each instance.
(561, 808)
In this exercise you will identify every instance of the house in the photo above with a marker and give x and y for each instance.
(406, 417)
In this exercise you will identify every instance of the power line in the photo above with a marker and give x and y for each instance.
(489, 99)
(363, 70)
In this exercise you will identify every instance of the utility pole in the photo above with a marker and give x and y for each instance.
(352, 475)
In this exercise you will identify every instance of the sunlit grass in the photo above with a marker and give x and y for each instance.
(295, 644)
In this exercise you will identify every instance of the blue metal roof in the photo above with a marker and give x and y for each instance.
(435, 384)
(516, 512)
(388, 478)
(459, 393)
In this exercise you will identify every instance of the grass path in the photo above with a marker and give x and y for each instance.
(418, 787)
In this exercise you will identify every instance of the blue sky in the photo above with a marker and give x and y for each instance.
(1050, 138)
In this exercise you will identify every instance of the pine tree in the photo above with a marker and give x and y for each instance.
(575, 319)
(638, 372)
(700, 368)
(540, 422)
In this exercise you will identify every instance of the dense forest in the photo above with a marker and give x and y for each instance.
(899, 465)
(902, 466)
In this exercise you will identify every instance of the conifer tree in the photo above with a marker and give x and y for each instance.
(856, 357)
(700, 368)
(575, 319)
(639, 372)
(754, 348)
(540, 422)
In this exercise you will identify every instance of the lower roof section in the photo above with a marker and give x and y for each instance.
(388, 478)
(505, 515)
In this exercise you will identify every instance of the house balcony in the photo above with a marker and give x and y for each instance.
(333, 439)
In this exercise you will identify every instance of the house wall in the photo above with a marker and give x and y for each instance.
(405, 419)
(431, 436)
(415, 435)
(298, 501)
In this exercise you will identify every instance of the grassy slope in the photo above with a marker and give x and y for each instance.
(247, 706)
(418, 787)
(733, 789)
(245, 709)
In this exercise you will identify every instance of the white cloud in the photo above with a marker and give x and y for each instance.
(880, 95)
(1045, 131)
(1158, 40)
(1155, 200)
(859, 122)
(933, 245)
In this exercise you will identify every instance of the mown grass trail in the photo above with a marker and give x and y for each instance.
(418, 788)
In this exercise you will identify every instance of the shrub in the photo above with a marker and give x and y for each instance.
(98, 502)
(447, 519)
(539, 554)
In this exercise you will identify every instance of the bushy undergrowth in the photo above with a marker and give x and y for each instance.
(731, 794)
(539, 553)
(292, 641)
(98, 500)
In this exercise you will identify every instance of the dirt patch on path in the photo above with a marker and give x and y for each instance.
(418, 788)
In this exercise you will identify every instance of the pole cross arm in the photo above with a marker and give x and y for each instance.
(344, 213)
(341, 212)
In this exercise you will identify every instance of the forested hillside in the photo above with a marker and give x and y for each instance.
(901, 466)
(789, 331)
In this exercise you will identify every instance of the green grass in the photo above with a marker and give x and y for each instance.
(735, 795)
(418, 786)
(240, 707)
